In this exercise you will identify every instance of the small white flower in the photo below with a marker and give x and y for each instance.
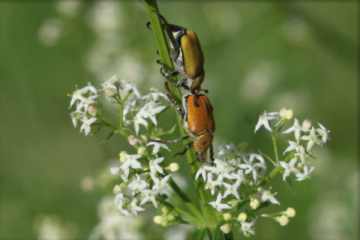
(137, 185)
(296, 129)
(114, 170)
(149, 196)
(161, 185)
(129, 161)
(155, 167)
(201, 173)
(218, 205)
(311, 139)
(173, 167)
(158, 219)
(267, 196)
(307, 170)
(248, 228)
(86, 125)
(148, 111)
(323, 132)
(253, 165)
(289, 167)
(232, 189)
(264, 120)
(120, 202)
(134, 207)
(157, 146)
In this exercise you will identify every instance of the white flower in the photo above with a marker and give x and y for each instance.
(173, 167)
(289, 167)
(298, 148)
(120, 202)
(267, 196)
(148, 196)
(323, 132)
(129, 161)
(218, 205)
(86, 124)
(201, 173)
(155, 167)
(83, 97)
(148, 111)
(306, 125)
(253, 164)
(307, 170)
(157, 146)
(311, 139)
(232, 189)
(161, 184)
(264, 120)
(137, 185)
(296, 129)
(248, 228)
(134, 207)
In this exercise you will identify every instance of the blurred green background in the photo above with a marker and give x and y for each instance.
(259, 56)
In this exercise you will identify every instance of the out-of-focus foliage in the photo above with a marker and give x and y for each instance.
(258, 56)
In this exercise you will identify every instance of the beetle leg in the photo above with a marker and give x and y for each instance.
(173, 101)
(165, 71)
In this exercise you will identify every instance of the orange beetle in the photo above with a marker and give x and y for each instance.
(200, 124)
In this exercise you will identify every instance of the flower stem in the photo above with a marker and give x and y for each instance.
(275, 147)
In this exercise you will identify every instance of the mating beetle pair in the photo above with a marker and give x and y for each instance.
(197, 110)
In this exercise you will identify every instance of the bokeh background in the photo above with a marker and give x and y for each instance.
(259, 56)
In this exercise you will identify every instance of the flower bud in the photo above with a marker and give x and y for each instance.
(173, 167)
(290, 212)
(122, 156)
(92, 110)
(254, 203)
(141, 150)
(242, 217)
(116, 189)
(158, 219)
(225, 228)
(306, 125)
(282, 220)
(132, 140)
(286, 114)
(227, 216)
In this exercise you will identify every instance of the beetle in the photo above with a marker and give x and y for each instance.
(200, 124)
(187, 56)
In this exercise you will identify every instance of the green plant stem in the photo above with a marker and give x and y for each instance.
(164, 53)
(275, 147)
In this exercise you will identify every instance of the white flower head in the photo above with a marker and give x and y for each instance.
(254, 164)
(311, 139)
(155, 167)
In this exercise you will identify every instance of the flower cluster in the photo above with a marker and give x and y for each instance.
(299, 151)
(84, 102)
(143, 176)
